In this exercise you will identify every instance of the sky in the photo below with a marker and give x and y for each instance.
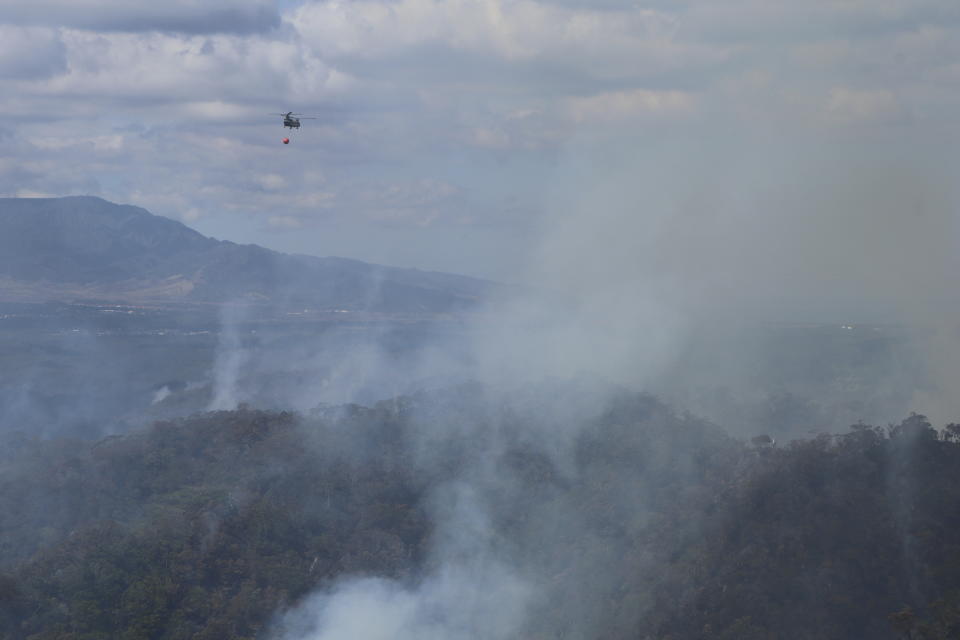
(720, 139)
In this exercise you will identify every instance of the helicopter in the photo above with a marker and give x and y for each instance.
(292, 120)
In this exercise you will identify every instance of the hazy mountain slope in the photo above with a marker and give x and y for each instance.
(85, 239)
(85, 247)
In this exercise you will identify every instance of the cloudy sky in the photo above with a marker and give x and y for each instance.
(455, 134)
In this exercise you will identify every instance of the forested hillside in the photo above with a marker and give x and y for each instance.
(630, 520)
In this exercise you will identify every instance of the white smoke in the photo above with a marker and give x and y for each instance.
(471, 592)
(633, 259)
(230, 359)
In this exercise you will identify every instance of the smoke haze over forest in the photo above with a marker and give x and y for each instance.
(551, 319)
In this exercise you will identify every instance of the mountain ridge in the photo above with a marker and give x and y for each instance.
(86, 247)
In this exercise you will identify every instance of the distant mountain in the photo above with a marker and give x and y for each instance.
(84, 247)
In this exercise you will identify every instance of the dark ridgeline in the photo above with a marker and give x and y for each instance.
(201, 528)
(83, 247)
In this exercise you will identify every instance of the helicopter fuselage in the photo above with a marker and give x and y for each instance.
(291, 121)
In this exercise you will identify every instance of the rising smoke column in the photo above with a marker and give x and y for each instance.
(231, 356)
(470, 593)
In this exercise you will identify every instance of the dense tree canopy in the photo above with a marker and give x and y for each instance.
(211, 526)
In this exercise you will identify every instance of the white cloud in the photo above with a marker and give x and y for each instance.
(626, 42)
(203, 72)
(189, 16)
(271, 181)
(621, 106)
(491, 138)
(30, 53)
(285, 222)
(420, 203)
(216, 110)
(106, 143)
(786, 21)
(849, 106)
